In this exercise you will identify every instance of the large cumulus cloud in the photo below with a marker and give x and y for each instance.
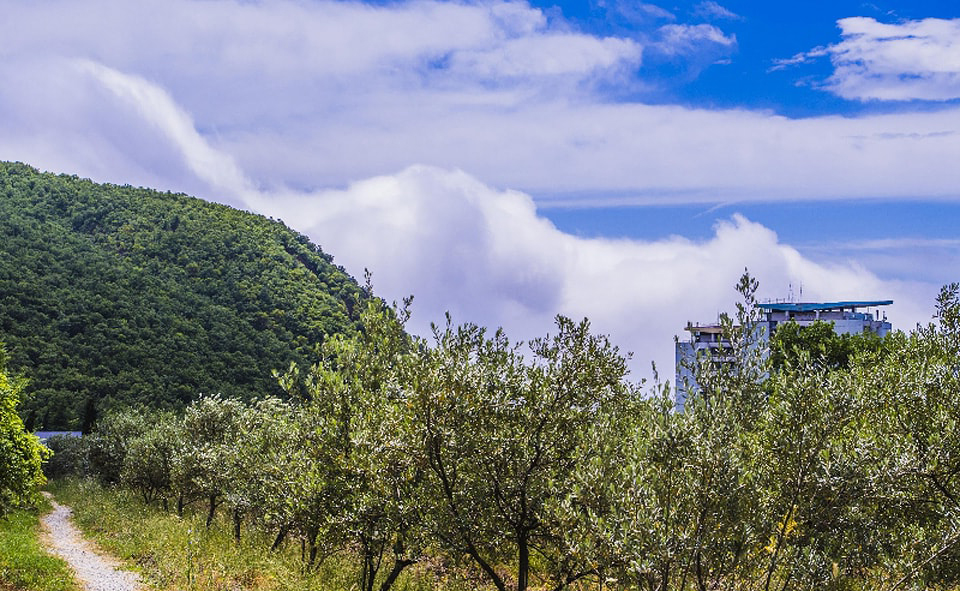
(485, 255)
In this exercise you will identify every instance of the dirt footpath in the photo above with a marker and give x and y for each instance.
(94, 570)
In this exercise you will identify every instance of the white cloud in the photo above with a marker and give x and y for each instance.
(482, 253)
(933, 260)
(195, 46)
(685, 39)
(904, 61)
(712, 10)
(485, 255)
(265, 104)
(60, 117)
(318, 94)
(800, 58)
(158, 109)
(548, 55)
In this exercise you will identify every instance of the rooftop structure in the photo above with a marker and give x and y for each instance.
(847, 317)
(43, 436)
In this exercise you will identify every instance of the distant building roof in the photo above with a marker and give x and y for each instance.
(812, 306)
(45, 435)
(715, 328)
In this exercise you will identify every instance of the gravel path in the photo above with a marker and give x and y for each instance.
(94, 571)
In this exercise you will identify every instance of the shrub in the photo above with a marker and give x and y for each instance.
(21, 454)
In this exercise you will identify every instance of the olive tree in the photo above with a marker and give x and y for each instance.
(108, 444)
(362, 485)
(811, 470)
(505, 437)
(202, 467)
(913, 400)
(267, 458)
(148, 464)
(675, 507)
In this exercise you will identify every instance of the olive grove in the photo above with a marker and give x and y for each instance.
(541, 466)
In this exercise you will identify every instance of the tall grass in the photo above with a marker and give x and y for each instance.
(182, 554)
(24, 565)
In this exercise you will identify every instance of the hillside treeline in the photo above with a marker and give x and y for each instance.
(112, 295)
(543, 467)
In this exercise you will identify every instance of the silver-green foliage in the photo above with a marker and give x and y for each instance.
(913, 400)
(543, 466)
(359, 479)
(506, 435)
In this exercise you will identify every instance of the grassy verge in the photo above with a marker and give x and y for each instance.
(24, 565)
(182, 554)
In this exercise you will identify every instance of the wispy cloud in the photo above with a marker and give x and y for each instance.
(650, 9)
(889, 244)
(910, 60)
(157, 108)
(686, 39)
(711, 10)
(323, 93)
(800, 58)
(555, 55)
(927, 259)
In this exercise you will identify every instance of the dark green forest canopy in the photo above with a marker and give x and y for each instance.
(115, 295)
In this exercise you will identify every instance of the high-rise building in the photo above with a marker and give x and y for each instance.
(852, 317)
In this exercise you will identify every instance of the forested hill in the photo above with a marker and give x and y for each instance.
(114, 295)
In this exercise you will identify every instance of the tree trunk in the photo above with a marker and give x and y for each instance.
(398, 566)
(212, 511)
(369, 570)
(701, 583)
(237, 520)
(281, 536)
(485, 566)
(523, 563)
(312, 546)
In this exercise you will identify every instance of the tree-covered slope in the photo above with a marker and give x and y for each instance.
(114, 295)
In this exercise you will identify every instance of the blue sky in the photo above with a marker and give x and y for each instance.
(766, 32)
(510, 160)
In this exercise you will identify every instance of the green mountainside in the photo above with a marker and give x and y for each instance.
(115, 295)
